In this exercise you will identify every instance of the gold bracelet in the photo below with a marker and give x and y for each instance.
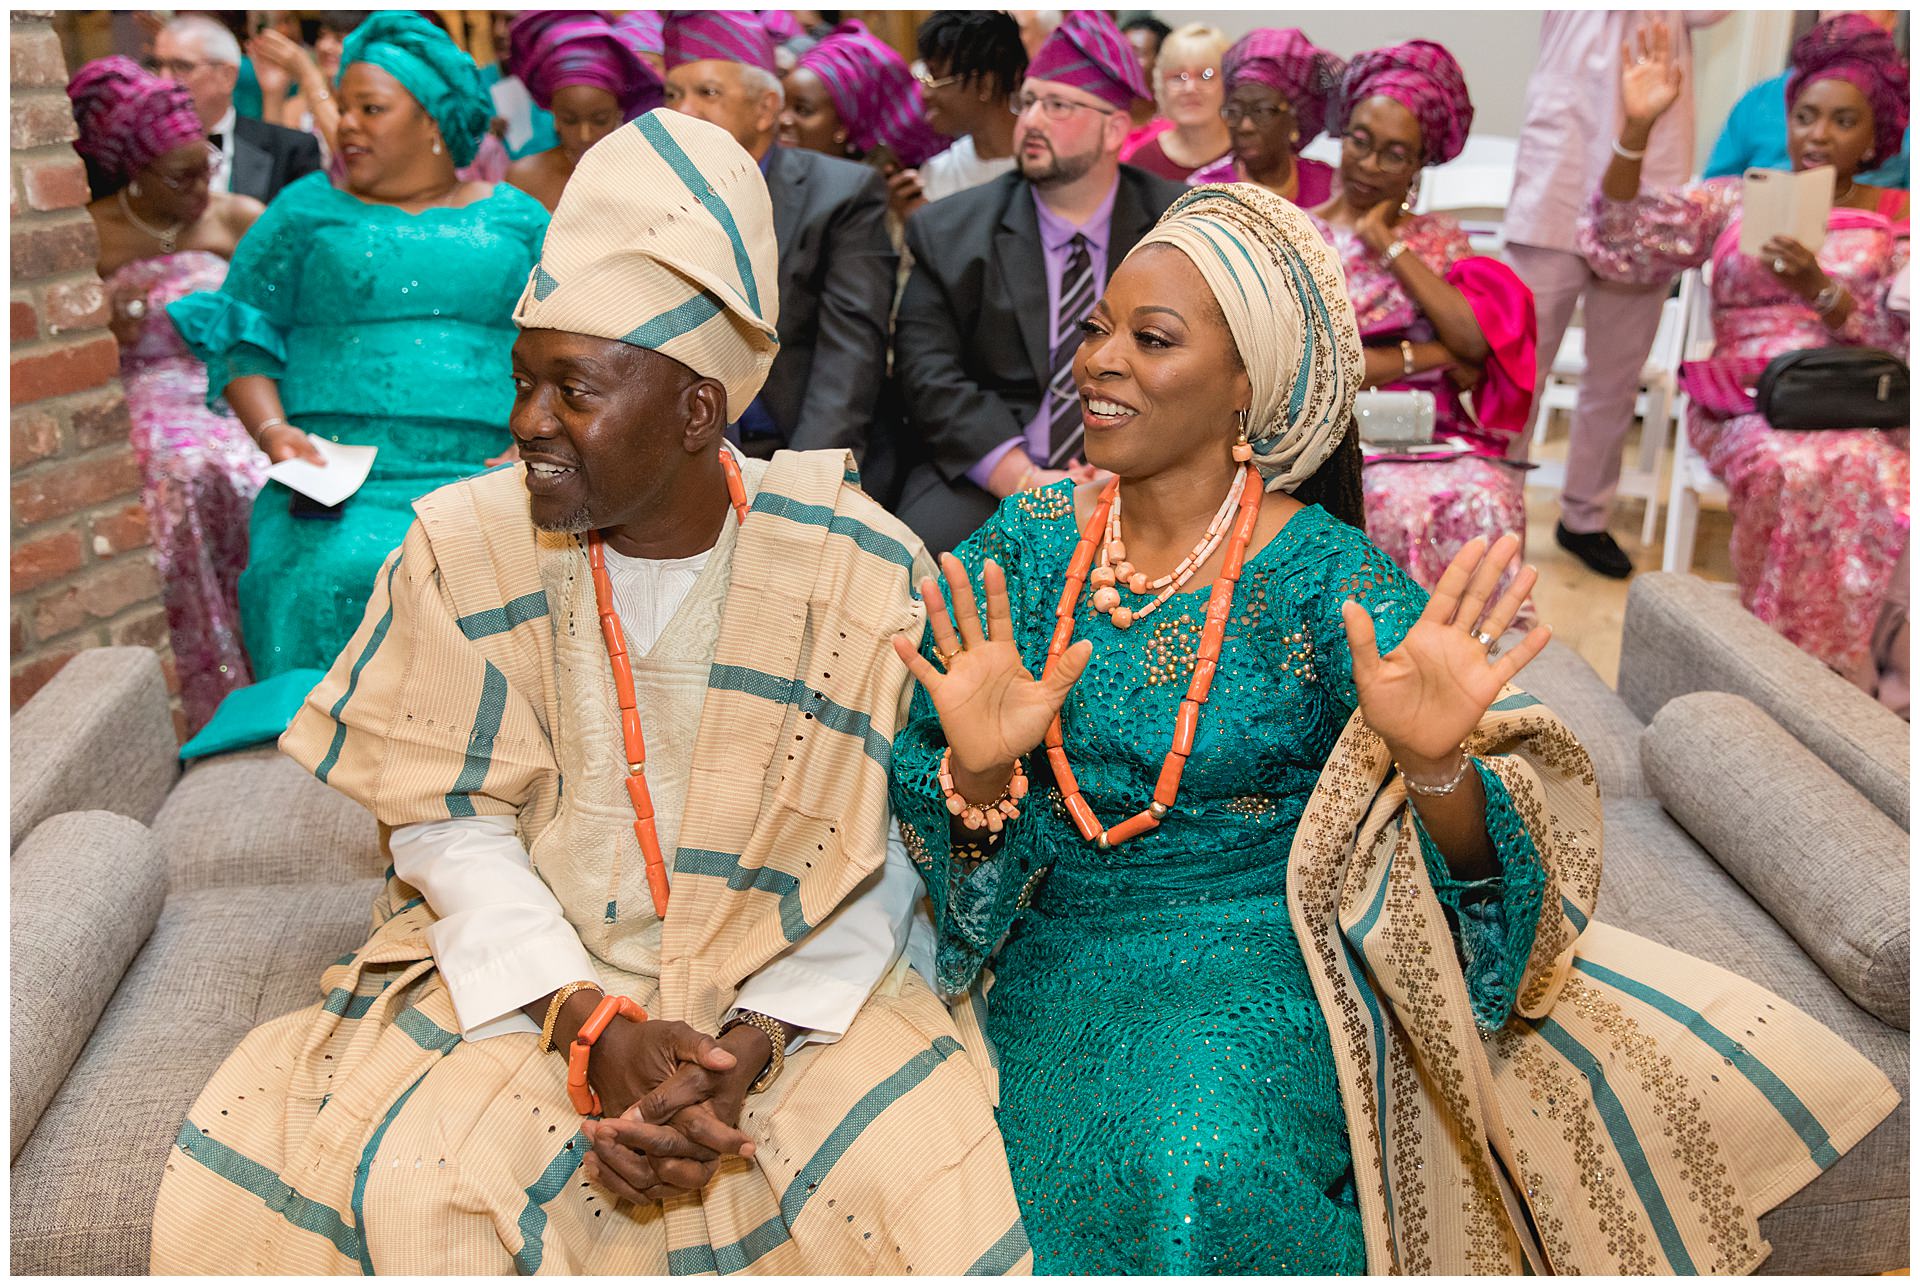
(776, 1037)
(560, 998)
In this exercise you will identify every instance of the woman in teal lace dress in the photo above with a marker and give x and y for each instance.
(377, 313)
(1167, 1078)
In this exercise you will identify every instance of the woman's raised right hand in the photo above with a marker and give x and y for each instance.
(1649, 74)
(991, 707)
(289, 442)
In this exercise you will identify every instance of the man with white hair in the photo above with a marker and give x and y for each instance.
(258, 159)
(837, 263)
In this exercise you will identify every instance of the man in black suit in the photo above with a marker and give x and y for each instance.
(258, 159)
(1004, 273)
(837, 264)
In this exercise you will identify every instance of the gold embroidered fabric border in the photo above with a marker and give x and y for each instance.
(1646, 1106)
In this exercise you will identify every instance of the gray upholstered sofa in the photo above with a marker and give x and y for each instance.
(1756, 815)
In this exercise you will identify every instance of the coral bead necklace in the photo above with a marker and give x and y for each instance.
(1246, 496)
(1112, 569)
(644, 828)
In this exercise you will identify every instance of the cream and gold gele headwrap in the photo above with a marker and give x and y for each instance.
(1285, 300)
(664, 239)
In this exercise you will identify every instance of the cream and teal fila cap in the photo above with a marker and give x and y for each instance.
(664, 239)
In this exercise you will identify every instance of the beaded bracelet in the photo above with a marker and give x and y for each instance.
(1445, 788)
(586, 1099)
(993, 816)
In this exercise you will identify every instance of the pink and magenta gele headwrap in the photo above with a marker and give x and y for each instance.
(730, 35)
(1291, 66)
(874, 92)
(128, 116)
(551, 48)
(1423, 78)
(642, 30)
(1088, 52)
(1854, 48)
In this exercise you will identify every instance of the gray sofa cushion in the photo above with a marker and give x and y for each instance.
(1562, 678)
(87, 888)
(289, 828)
(99, 735)
(1825, 862)
(220, 962)
(1660, 884)
(1684, 635)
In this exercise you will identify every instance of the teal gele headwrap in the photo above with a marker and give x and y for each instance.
(425, 60)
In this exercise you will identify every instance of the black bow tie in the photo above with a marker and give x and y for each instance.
(218, 139)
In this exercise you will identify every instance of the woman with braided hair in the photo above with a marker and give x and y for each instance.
(1266, 886)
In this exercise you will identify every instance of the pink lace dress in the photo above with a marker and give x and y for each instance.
(199, 472)
(1421, 511)
(1819, 519)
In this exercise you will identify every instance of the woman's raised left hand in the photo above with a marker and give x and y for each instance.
(1427, 694)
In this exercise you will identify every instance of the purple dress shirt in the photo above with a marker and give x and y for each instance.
(1056, 235)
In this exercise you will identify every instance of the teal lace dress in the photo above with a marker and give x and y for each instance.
(1168, 1093)
(384, 329)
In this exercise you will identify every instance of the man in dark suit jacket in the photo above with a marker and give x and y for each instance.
(982, 330)
(259, 159)
(837, 264)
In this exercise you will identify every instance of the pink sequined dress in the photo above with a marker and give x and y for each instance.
(1421, 511)
(1819, 519)
(198, 471)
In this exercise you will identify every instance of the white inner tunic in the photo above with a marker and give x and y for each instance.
(501, 939)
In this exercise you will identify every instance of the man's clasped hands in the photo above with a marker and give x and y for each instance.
(671, 1099)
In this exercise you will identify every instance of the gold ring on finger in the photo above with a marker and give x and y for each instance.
(946, 658)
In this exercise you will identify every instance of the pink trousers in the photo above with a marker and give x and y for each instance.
(1620, 323)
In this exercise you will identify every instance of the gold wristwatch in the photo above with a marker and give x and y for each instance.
(776, 1038)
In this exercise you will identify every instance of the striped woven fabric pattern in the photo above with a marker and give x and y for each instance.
(1645, 1107)
(731, 35)
(1088, 52)
(664, 240)
(364, 1135)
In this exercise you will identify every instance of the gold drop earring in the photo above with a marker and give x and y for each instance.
(1243, 449)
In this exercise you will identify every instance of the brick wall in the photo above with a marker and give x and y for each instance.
(82, 575)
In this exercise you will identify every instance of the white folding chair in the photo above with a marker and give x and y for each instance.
(1692, 483)
(1473, 187)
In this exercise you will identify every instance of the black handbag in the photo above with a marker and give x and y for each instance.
(1834, 388)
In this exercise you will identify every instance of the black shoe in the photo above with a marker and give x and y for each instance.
(1597, 549)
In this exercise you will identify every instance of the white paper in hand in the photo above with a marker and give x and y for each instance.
(1782, 203)
(346, 469)
(514, 105)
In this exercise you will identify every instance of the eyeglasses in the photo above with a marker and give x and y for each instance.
(928, 81)
(1185, 78)
(202, 172)
(1262, 116)
(1392, 159)
(174, 68)
(1056, 109)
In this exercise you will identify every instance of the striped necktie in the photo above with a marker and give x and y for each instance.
(1063, 399)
